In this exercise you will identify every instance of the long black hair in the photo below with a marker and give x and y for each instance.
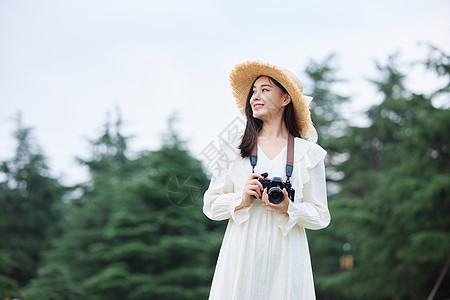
(254, 125)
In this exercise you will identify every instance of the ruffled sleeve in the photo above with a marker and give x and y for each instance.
(223, 194)
(309, 209)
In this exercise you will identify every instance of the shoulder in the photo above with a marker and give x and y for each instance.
(304, 148)
(304, 145)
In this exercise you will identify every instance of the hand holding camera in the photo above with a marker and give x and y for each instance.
(253, 189)
(271, 191)
(282, 206)
(275, 187)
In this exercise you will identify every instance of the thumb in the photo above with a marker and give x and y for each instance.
(285, 193)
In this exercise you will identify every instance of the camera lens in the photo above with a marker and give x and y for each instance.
(275, 195)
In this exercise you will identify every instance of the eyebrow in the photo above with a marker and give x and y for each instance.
(265, 84)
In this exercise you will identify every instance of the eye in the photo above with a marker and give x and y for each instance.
(265, 90)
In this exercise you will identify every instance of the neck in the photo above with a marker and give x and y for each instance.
(274, 128)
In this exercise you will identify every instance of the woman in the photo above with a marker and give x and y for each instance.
(264, 254)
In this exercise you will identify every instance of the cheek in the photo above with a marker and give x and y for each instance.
(272, 100)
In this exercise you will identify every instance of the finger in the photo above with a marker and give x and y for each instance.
(254, 181)
(260, 185)
(258, 192)
(255, 175)
(252, 185)
(271, 205)
(265, 197)
(251, 189)
(256, 185)
(253, 194)
(285, 193)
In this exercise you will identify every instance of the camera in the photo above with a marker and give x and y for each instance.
(275, 188)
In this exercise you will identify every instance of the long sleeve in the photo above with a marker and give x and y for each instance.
(310, 210)
(221, 199)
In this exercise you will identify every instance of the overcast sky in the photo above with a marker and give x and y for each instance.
(65, 64)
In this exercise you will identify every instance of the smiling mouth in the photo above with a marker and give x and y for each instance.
(258, 106)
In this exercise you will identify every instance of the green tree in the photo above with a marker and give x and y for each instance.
(326, 106)
(29, 213)
(137, 230)
(395, 196)
(326, 245)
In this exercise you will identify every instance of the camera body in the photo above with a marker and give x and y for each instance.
(275, 188)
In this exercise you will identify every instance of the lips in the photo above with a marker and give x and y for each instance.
(258, 106)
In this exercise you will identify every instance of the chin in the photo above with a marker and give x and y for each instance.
(259, 115)
(256, 115)
(258, 112)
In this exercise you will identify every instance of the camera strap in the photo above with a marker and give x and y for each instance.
(289, 157)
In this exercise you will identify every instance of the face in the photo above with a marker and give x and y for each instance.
(268, 101)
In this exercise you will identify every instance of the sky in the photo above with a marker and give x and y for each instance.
(69, 66)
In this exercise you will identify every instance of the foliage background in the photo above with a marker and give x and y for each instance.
(135, 229)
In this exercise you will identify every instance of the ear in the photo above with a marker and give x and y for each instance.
(286, 99)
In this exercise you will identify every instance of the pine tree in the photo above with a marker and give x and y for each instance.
(29, 215)
(326, 245)
(326, 106)
(137, 231)
(395, 196)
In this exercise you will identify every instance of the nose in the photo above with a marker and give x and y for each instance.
(256, 95)
(253, 99)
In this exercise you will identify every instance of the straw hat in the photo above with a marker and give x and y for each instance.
(243, 76)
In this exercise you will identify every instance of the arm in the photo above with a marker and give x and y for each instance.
(222, 202)
(311, 211)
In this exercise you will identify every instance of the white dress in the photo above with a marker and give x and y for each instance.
(264, 253)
